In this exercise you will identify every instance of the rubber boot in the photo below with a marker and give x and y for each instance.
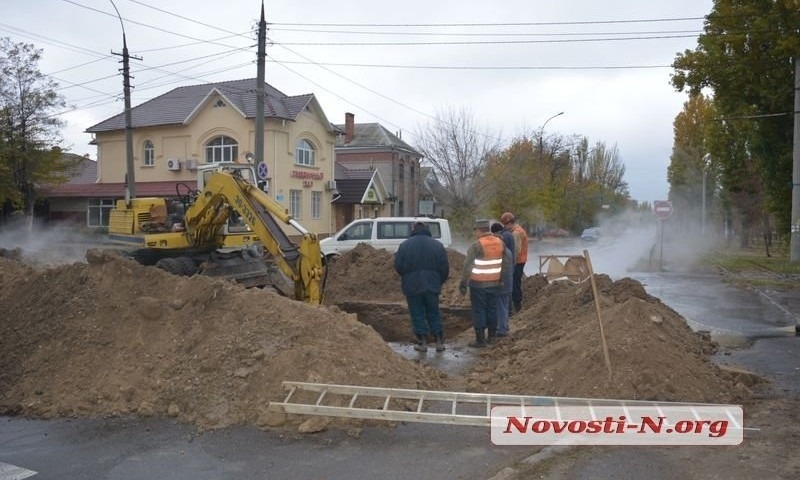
(479, 340)
(440, 342)
(421, 345)
(492, 337)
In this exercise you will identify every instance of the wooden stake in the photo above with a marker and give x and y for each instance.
(597, 309)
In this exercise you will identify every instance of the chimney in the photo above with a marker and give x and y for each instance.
(349, 127)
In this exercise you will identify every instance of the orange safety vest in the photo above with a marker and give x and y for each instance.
(523, 249)
(488, 268)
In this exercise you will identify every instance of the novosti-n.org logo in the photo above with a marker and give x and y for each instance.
(617, 425)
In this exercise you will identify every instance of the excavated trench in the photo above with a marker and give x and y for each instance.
(392, 322)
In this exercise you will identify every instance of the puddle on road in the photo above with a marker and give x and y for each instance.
(456, 360)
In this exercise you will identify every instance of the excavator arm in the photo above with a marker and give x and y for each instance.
(302, 262)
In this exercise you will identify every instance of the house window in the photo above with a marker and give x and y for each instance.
(99, 211)
(316, 205)
(221, 149)
(296, 204)
(304, 154)
(149, 157)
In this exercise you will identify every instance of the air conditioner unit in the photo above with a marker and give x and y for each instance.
(331, 185)
(191, 164)
(173, 164)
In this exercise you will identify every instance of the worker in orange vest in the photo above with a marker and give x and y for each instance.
(483, 273)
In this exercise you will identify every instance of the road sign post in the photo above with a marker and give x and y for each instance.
(663, 210)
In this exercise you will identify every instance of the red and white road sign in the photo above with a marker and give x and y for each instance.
(663, 209)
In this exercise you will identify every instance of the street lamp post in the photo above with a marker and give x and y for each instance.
(541, 134)
(706, 160)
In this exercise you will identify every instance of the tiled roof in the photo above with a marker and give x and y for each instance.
(117, 190)
(372, 135)
(177, 106)
(84, 171)
(351, 190)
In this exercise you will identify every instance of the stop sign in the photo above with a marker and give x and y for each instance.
(663, 209)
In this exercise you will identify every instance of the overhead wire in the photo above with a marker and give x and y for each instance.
(323, 65)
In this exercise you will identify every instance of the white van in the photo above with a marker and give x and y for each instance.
(382, 232)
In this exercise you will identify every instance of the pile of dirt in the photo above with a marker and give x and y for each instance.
(113, 337)
(556, 348)
(366, 273)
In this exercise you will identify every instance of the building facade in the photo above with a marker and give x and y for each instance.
(202, 124)
(370, 146)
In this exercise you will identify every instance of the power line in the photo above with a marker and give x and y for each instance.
(147, 25)
(487, 34)
(510, 24)
(474, 67)
(484, 42)
(355, 83)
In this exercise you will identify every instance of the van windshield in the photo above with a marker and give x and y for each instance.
(359, 231)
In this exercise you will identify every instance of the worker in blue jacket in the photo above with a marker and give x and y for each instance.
(421, 261)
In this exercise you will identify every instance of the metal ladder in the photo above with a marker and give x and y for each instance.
(453, 408)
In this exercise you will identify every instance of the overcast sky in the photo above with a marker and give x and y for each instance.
(512, 63)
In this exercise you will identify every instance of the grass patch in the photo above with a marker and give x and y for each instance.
(752, 261)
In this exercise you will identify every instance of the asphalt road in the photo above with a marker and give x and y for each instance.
(122, 449)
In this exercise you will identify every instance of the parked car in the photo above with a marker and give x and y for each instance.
(590, 235)
(382, 232)
(556, 232)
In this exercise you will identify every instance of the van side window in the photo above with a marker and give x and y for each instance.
(394, 230)
(435, 228)
(360, 231)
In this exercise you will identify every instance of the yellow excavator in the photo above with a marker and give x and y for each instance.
(221, 229)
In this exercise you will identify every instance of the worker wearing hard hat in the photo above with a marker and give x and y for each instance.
(483, 274)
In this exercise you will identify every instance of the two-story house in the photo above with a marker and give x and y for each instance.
(370, 146)
(201, 124)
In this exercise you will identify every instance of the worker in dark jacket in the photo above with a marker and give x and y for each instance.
(422, 264)
(504, 295)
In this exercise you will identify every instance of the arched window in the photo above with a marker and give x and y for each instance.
(304, 154)
(221, 149)
(149, 155)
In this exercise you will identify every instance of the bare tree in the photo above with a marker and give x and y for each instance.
(458, 152)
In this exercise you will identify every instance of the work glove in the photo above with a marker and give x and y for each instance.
(463, 289)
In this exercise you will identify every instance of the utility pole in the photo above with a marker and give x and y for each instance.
(130, 176)
(794, 250)
(262, 41)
